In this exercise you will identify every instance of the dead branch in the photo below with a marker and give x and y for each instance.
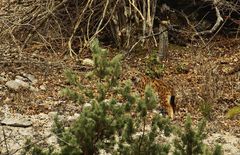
(119, 22)
(45, 17)
(79, 19)
(216, 25)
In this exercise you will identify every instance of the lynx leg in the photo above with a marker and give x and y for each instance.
(170, 108)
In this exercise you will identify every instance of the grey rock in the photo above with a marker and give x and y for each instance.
(43, 116)
(16, 122)
(25, 131)
(21, 78)
(230, 149)
(33, 89)
(31, 78)
(16, 84)
(103, 152)
(3, 74)
(42, 87)
(2, 87)
(52, 140)
(87, 105)
(87, 62)
(52, 114)
(7, 100)
(13, 85)
(73, 118)
(22, 83)
(2, 79)
(230, 143)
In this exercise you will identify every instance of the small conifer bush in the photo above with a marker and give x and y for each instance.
(118, 121)
(190, 140)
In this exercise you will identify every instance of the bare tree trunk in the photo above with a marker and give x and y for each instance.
(163, 40)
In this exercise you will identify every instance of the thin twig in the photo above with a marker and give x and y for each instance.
(194, 29)
(144, 37)
(79, 19)
(5, 140)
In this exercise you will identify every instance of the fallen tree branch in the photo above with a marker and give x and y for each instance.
(216, 25)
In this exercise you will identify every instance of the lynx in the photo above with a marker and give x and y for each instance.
(164, 91)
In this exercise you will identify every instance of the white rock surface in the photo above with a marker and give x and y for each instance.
(230, 143)
(16, 122)
(2, 79)
(12, 84)
(31, 78)
(22, 83)
(88, 62)
(43, 87)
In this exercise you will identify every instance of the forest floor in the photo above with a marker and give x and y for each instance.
(200, 76)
